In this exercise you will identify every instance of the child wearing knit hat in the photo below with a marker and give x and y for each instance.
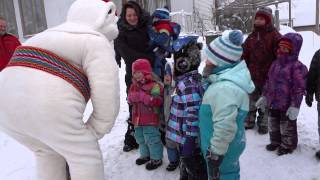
(162, 34)
(283, 93)
(146, 97)
(259, 51)
(225, 105)
(183, 123)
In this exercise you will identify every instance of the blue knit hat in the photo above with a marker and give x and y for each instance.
(161, 13)
(225, 49)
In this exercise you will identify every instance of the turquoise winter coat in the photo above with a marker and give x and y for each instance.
(225, 105)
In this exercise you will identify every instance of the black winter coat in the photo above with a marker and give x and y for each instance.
(313, 78)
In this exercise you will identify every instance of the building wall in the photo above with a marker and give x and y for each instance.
(204, 7)
(56, 11)
(178, 5)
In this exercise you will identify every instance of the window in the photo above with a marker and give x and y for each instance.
(7, 11)
(33, 17)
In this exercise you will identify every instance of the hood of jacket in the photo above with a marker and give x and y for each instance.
(238, 74)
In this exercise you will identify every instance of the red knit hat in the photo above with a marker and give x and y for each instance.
(265, 13)
(141, 65)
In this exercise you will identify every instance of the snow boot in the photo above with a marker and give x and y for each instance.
(129, 140)
(262, 130)
(272, 147)
(153, 164)
(172, 166)
(283, 151)
(141, 161)
(318, 155)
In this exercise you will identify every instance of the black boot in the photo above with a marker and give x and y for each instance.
(272, 147)
(318, 155)
(129, 140)
(141, 161)
(283, 151)
(262, 130)
(172, 166)
(153, 164)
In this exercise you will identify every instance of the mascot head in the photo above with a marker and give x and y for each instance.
(97, 14)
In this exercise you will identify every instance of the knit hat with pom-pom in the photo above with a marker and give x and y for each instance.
(161, 14)
(226, 49)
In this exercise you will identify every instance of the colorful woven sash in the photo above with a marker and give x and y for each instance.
(47, 61)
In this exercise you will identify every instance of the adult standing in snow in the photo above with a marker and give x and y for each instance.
(259, 51)
(46, 86)
(225, 105)
(8, 43)
(132, 44)
(313, 87)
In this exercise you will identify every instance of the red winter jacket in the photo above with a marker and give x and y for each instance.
(8, 43)
(259, 51)
(146, 101)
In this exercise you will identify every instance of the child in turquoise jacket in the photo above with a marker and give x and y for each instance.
(225, 105)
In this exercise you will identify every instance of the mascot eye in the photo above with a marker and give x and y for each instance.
(110, 11)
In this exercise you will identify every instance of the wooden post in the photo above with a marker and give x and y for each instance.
(317, 17)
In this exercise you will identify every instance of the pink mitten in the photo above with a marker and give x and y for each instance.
(133, 97)
(147, 99)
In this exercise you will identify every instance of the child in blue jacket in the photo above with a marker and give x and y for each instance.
(225, 105)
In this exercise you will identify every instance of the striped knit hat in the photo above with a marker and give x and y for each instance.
(161, 13)
(226, 49)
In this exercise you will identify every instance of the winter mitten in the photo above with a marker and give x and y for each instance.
(261, 103)
(309, 99)
(146, 98)
(134, 97)
(214, 162)
(292, 113)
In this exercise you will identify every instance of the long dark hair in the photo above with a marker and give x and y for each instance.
(134, 5)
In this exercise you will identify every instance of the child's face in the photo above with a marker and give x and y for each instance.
(259, 21)
(139, 77)
(283, 51)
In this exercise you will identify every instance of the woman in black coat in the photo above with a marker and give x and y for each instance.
(132, 44)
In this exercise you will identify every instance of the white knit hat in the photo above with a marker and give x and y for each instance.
(226, 49)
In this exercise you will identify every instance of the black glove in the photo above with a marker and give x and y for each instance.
(309, 99)
(214, 162)
(193, 166)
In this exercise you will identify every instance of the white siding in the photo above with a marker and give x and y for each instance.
(204, 7)
(56, 10)
(178, 5)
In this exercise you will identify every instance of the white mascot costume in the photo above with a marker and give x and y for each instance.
(46, 86)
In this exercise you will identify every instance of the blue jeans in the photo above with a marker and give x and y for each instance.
(318, 108)
(149, 140)
(173, 155)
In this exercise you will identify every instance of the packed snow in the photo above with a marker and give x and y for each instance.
(17, 162)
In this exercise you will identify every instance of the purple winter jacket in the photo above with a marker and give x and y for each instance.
(286, 82)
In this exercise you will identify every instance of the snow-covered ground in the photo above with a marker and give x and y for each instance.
(17, 162)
